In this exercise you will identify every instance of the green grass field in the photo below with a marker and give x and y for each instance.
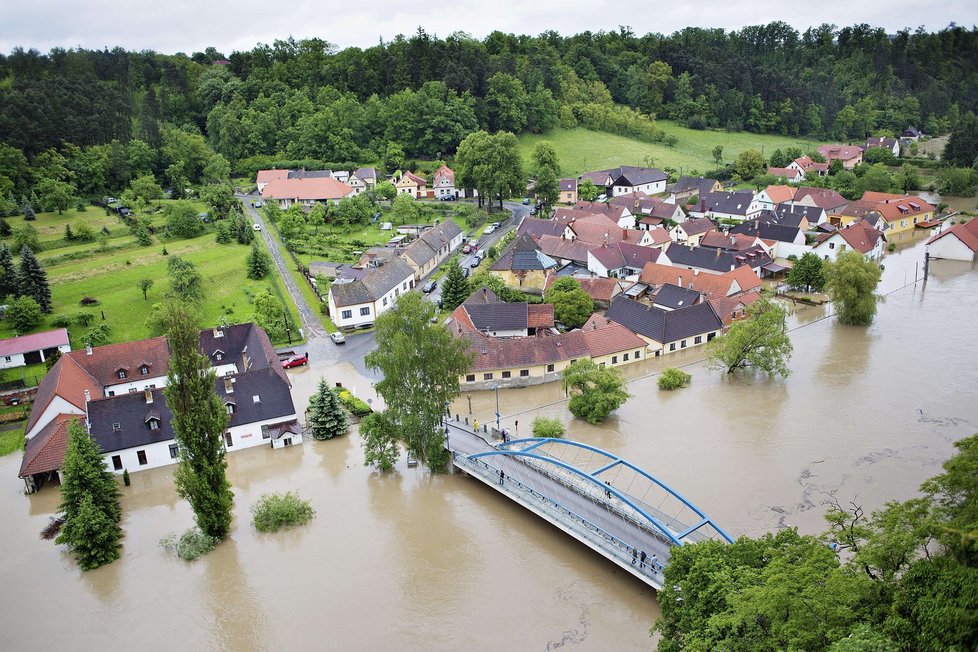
(12, 440)
(112, 278)
(581, 150)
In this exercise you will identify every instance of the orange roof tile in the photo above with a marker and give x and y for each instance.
(610, 338)
(68, 380)
(46, 450)
(966, 233)
(314, 189)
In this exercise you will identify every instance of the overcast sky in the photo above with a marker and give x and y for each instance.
(192, 25)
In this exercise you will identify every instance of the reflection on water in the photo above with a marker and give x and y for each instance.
(409, 561)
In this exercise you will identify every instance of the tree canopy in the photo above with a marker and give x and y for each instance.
(807, 272)
(759, 343)
(851, 281)
(595, 391)
(572, 305)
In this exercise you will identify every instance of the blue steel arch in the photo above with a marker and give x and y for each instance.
(504, 449)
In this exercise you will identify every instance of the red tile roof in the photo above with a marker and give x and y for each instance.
(822, 197)
(966, 233)
(104, 362)
(609, 338)
(557, 247)
(859, 235)
(709, 284)
(841, 152)
(68, 380)
(903, 207)
(732, 242)
(780, 194)
(311, 189)
(46, 450)
(445, 171)
(599, 289)
(789, 173)
(34, 342)
(726, 306)
(267, 176)
(540, 315)
(600, 233)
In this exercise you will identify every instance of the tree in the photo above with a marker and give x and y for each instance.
(56, 195)
(807, 272)
(545, 156)
(491, 164)
(270, 315)
(259, 262)
(718, 155)
(673, 378)
(145, 284)
(962, 147)
(199, 420)
(8, 277)
(596, 391)
(547, 188)
(421, 364)
(26, 236)
(547, 427)
(758, 343)
(89, 502)
(380, 439)
(907, 179)
(572, 305)
(182, 221)
(455, 289)
(851, 281)
(506, 102)
(24, 314)
(145, 188)
(32, 280)
(326, 415)
(186, 283)
(587, 191)
(749, 164)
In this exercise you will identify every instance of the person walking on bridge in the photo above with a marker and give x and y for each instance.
(641, 560)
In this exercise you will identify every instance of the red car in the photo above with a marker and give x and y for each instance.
(295, 361)
(467, 249)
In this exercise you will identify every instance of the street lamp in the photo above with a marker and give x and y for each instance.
(469, 396)
(495, 388)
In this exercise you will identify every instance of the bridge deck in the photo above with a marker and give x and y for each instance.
(580, 509)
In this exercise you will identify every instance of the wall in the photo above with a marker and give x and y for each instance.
(135, 384)
(11, 361)
(54, 408)
(950, 248)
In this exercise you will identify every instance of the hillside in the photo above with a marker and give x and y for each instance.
(581, 150)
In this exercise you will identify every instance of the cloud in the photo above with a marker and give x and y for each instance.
(189, 25)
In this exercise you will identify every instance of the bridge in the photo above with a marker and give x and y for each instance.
(600, 499)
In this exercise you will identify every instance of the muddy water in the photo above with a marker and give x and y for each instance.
(410, 561)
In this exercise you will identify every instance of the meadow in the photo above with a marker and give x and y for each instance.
(111, 276)
(581, 150)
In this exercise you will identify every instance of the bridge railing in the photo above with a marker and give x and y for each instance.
(608, 542)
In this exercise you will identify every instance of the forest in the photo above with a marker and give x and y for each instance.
(108, 116)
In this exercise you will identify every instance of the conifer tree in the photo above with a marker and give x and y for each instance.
(32, 280)
(326, 415)
(8, 276)
(456, 288)
(198, 421)
(89, 502)
(259, 262)
(29, 213)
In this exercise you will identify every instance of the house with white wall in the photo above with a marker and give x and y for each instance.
(858, 236)
(360, 301)
(960, 242)
(34, 348)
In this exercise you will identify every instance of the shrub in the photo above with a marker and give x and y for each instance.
(192, 544)
(356, 406)
(674, 379)
(547, 427)
(275, 511)
(61, 321)
(84, 318)
(89, 301)
(891, 247)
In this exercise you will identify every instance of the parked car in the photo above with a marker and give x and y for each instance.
(429, 287)
(533, 211)
(256, 227)
(256, 204)
(526, 201)
(467, 249)
(465, 272)
(295, 361)
(496, 225)
(489, 229)
(337, 337)
(475, 262)
(447, 198)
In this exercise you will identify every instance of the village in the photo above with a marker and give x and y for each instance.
(667, 267)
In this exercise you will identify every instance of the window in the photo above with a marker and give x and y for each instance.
(144, 370)
(625, 358)
(614, 359)
(347, 314)
(524, 373)
(174, 451)
(141, 456)
(228, 441)
(121, 373)
(111, 393)
(710, 336)
(672, 347)
(132, 390)
(265, 434)
(698, 339)
(365, 311)
(550, 368)
(116, 427)
(117, 462)
(638, 354)
(487, 376)
(7, 358)
(903, 222)
(682, 344)
(154, 424)
(470, 378)
(507, 374)
(831, 245)
(385, 301)
(218, 356)
(230, 407)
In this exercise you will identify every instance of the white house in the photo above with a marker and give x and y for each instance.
(960, 242)
(359, 302)
(444, 182)
(628, 179)
(691, 231)
(858, 236)
(433, 246)
(32, 349)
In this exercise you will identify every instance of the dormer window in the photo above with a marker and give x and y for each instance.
(121, 374)
(230, 407)
(116, 427)
(154, 424)
(218, 356)
(144, 370)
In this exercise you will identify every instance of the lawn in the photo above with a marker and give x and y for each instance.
(12, 440)
(30, 374)
(111, 277)
(581, 150)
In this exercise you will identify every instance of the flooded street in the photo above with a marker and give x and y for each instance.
(412, 561)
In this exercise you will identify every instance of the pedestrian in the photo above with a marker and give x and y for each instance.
(654, 562)
(634, 556)
(475, 425)
(502, 476)
(641, 560)
(607, 492)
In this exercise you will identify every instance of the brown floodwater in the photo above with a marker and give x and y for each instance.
(412, 561)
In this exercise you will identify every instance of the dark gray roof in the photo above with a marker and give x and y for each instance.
(522, 254)
(767, 230)
(731, 203)
(366, 173)
(716, 260)
(310, 174)
(234, 341)
(568, 185)
(535, 227)
(789, 215)
(634, 176)
(374, 285)
(700, 185)
(132, 412)
(664, 325)
(675, 297)
(431, 242)
(497, 316)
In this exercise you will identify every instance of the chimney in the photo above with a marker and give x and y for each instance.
(88, 396)
(228, 386)
(148, 395)
(88, 351)
(245, 361)
(217, 332)
(696, 272)
(485, 293)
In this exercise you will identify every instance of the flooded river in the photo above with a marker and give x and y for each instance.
(411, 561)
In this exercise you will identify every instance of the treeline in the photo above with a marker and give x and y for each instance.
(420, 96)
